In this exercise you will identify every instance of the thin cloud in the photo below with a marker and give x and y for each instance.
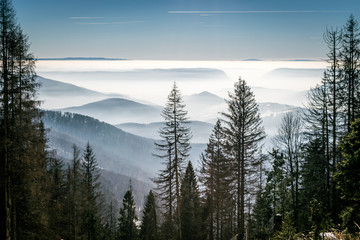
(234, 12)
(86, 17)
(109, 23)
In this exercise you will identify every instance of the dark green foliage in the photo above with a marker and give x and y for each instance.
(288, 230)
(244, 133)
(216, 177)
(190, 205)
(23, 163)
(347, 178)
(90, 187)
(127, 229)
(149, 224)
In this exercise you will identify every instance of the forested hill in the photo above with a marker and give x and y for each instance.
(116, 150)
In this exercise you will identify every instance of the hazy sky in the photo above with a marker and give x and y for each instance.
(182, 29)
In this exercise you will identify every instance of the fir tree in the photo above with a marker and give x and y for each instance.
(174, 148)
(190, 205)
(347, 178)
(127, 221)
(149, 224)
(244, 132)
(91, 195)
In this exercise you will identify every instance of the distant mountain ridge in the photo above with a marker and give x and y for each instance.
(119, 110)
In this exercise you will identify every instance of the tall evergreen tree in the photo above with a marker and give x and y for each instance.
(127, 227)
(350, 56)
(347, 178)
(91, 194)
(23, 194)
(216, 177)
(174, 148)
(244, 132)
(149, 224)
(190, 205)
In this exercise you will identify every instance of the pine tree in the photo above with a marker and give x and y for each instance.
(91, 195)
(149, 224)
(347, 178)
(23, 161)
(244, 133)
(127, 227)
(174, 147)
(57, 204)
(190, 205)
(216, 177)
(350, 59)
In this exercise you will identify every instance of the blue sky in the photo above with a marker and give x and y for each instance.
(182, 29)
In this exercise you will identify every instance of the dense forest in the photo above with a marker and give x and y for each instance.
(308, 185)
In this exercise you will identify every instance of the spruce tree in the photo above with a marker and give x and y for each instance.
(23, 163)
(91, 194)
(174, 147)
(347, 178)
(127, 227)
(216, 177)
(244, 134)
(149, 224)
(190, 205)
(350, 59)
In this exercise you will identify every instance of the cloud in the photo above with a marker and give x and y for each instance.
(235, 12)
(86, 17)
(109, 23)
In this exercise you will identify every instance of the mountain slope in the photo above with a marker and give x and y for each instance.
(200, 130)
(119, 110)
(116, 150)
(56, 94)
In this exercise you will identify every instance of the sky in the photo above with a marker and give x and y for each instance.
(182, 29)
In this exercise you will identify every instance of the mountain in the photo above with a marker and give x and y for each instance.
(116, 150)
(56, 94)
(204, 106)
(119, 110)
(200, 130)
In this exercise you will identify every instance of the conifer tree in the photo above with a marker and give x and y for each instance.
(23, 162)
(244, 134)
(91, 194)
(216, 177)
(174, 148)
(149, 224)
(350, 59)
(190, 205)
(127, 227)
(347, 178)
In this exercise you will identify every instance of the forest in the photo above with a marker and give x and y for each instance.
(307, 187)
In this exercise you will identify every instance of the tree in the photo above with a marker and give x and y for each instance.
(23, 162)
(190, 205)
(350, 56)
(347, 178)
(244, 133)
(216, 177)
(288, 140)
(174, 147)
(331, 81)
(149, 224)
(91, 194)
(127, 227)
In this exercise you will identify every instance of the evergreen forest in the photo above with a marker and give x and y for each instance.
(306, 187)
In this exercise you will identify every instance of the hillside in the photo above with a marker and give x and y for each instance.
(119, 110)
(200, 130)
